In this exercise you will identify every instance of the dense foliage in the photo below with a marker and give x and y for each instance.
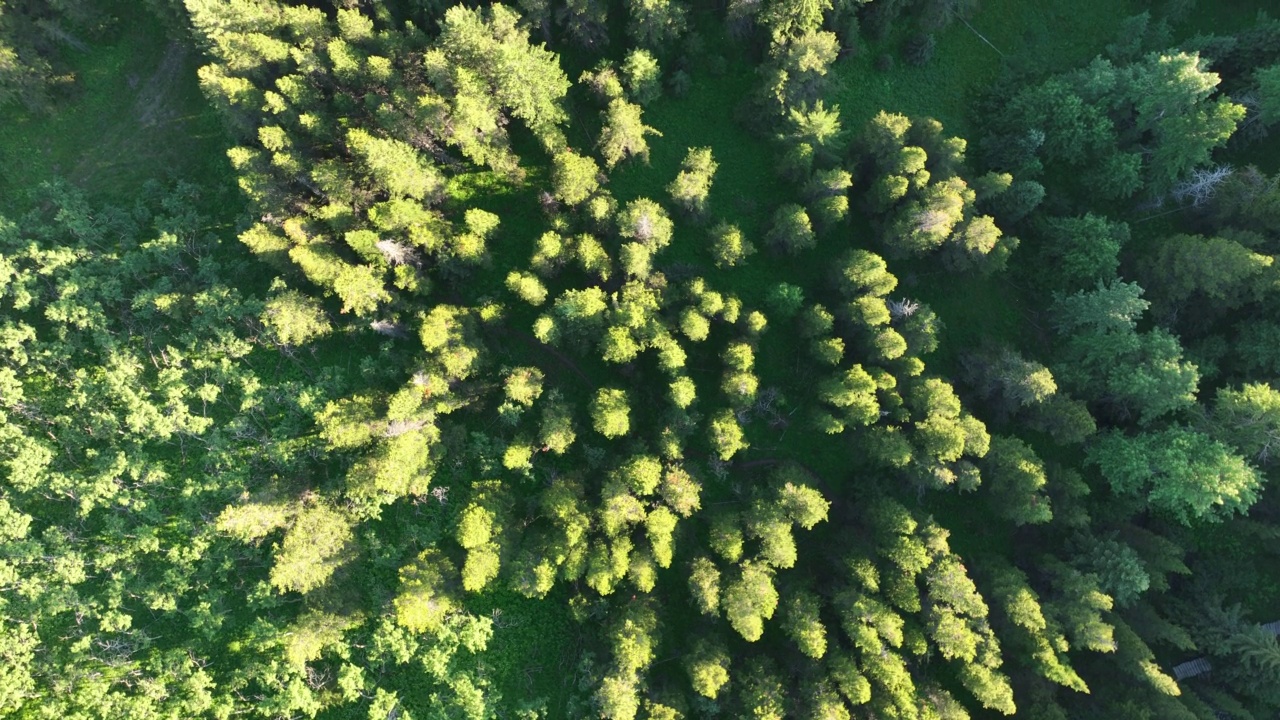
(465, 412)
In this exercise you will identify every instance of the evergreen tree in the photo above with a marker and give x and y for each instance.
(1016, 477)
(1181, 472)
(691, 187)
(792, 231)
(611, 413)
(624, 134)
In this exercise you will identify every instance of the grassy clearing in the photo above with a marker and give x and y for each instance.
(534, 652)
(1041, 36)
(134, 113)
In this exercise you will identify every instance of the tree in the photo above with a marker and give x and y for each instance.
(791, 230)
(739, 383)
(885, 136)
(318, 542)
(1111, 306)
(1269, 94)
(1085, 249)
(822, 701)
(395, 166)
(523, 77)
(861, 272)
(804, 505)
(797, 71)
(1011, 381)
(1109, 362)
(978, 244)
(918, 324)
(989, 687)
(728, 247)
(1137, 373)
(295, 319)
(1066, 419)
(574, 177)
(623, 135)
(645, 222)
(578, 314)
(1258, 653)
(919, 48)
(1016, 477)
(556, 432)
(726, 435)
(1121, 573)
(773, 529)
(801, 622)
(1143, 124)
(247, 523)
(1182, 473)
(818, 128)
(828, 195)
(585, 21)
(360, 288)
(694, 325)
(1248, 419)
(425, 599)
(636, 260)
(853, 395)
(843, 671)
(527, 287)
(655, 23)
(926, 222)
(604, 81)
(786, 20)
(708, 667)
(1020, 606)
(642, 75)
(692, 186)
(749, 599)
(704, 585)
(1170, 96)
(632, 637)
(683, 392)
(763, 695)
(617, 697)
(481, 567)
(1218, 272)
(610, 413)
(1017, 202)
(785, 300)
(589, 253)
(475, 527)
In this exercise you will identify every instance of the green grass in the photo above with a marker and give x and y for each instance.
(133, 113)
(1048, 35)
(534, 651)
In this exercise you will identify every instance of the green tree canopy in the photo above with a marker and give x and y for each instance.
(1180, 472)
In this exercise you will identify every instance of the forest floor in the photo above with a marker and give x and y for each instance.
(136, 113)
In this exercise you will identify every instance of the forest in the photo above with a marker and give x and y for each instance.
(639, 359)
